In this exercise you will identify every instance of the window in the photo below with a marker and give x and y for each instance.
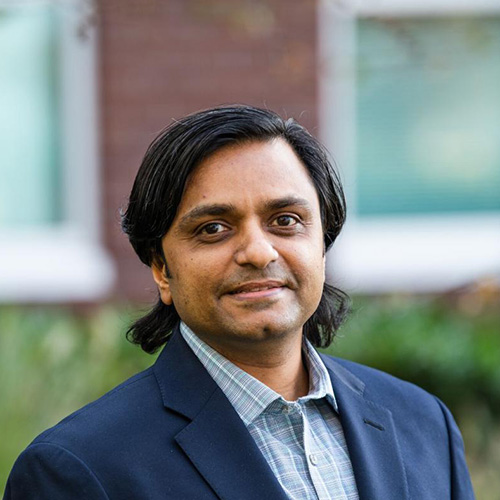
(411, 110)
(49, 205)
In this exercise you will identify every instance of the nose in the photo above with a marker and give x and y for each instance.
(255, 248)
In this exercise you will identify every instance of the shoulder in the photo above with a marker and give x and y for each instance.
(112, 411)
(427, 434)
(373, 380)
(75, 456)
(412, 408)
(104, 431)
(402, 398)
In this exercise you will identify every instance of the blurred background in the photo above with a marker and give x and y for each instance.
(404, 94)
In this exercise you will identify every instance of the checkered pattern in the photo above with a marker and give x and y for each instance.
(302, 441)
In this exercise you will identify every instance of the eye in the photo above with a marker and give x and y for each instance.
(212, 228)
(285, 221)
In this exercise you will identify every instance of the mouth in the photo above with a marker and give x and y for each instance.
(257, 290)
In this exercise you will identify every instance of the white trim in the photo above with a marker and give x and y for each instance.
(416, 254)
(79, 117)
(66, 263)
(57, 265)
(337, 94)
(405, 253)
(401, 8)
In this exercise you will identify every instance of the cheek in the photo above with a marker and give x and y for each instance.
(311, 260)
(316, 274)
(310, 273)
(317, 281)
(319, 274)
(192, 281)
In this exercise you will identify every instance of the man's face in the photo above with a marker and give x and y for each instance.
(245, 252)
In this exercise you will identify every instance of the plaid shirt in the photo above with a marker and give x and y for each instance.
(302, 441)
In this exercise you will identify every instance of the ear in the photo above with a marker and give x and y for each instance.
(160, 276)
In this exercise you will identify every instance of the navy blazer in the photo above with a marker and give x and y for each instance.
(169, 432)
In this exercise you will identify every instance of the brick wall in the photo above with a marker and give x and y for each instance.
(162, 59)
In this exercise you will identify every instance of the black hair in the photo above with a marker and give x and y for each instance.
(159, 187)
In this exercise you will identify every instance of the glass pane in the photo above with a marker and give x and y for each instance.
(428, 117)
(29, 155)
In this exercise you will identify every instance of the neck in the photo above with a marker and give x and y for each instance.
(289, 381)
(282, 369)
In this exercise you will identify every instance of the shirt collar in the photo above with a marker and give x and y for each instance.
(249, 396)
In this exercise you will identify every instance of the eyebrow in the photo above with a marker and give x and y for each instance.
(220, 209)
(287, 201)
(214, 209)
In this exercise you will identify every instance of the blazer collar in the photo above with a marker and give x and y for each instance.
(215, 439)
(371, 438)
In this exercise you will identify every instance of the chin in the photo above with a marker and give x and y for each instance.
(267, 329)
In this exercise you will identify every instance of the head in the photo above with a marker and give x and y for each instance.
(172, 162)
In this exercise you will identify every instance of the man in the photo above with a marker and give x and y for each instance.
(234, 209)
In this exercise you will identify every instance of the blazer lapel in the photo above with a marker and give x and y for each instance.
(371, 439)
(219, 445)
(216, 440)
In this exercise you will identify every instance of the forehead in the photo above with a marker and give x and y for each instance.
(249, 172)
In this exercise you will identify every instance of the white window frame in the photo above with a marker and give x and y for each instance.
(67, 262)
(379, 254)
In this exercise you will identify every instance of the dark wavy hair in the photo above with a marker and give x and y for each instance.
(159, 187)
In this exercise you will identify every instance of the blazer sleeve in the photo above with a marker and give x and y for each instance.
(461, 486)
(46, 471)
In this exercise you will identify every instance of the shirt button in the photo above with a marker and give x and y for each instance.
(313, 459)
(286, 409)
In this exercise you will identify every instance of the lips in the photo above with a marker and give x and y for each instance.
(255, 286)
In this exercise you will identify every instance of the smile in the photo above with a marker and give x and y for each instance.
(255, 290)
